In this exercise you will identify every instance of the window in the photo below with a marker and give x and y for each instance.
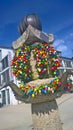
(0, 79)
(8, 96)
(5, 76)
(3, 97)
(5, 62)
(68, 63)
(0, 95)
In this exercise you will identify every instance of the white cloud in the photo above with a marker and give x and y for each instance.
(58, 42)
(71, 34)
(62, 48)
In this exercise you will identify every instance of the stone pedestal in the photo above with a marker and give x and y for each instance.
(46, 116)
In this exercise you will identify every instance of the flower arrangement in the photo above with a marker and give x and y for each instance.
(47, 63)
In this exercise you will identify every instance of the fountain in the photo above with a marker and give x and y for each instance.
(35, 65)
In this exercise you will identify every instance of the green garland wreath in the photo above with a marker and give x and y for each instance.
(45, 55)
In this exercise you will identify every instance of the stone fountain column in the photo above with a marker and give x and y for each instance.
(46, 116)
(45, 113)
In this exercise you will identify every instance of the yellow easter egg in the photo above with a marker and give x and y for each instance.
(39, 91)
(33, 95)
(39, 70)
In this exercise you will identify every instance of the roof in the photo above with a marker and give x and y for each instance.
(66, 58)
(31, 35)
(5, 47)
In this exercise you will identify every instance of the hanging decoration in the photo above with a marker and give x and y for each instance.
(68, 85)
(47, 63)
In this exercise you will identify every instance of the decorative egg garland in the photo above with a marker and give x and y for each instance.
(45, 55)
(20, 64)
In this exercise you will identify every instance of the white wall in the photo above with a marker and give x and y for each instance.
(13, 100)
(10, 54)
(5, 52)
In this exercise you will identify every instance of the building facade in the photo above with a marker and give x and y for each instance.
(66, 64)
(6, 95)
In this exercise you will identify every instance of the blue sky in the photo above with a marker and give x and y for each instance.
(56, 17)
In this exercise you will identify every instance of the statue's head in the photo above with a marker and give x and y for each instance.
(31, 19)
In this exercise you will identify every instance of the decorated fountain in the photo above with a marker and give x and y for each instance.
(35, 65)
